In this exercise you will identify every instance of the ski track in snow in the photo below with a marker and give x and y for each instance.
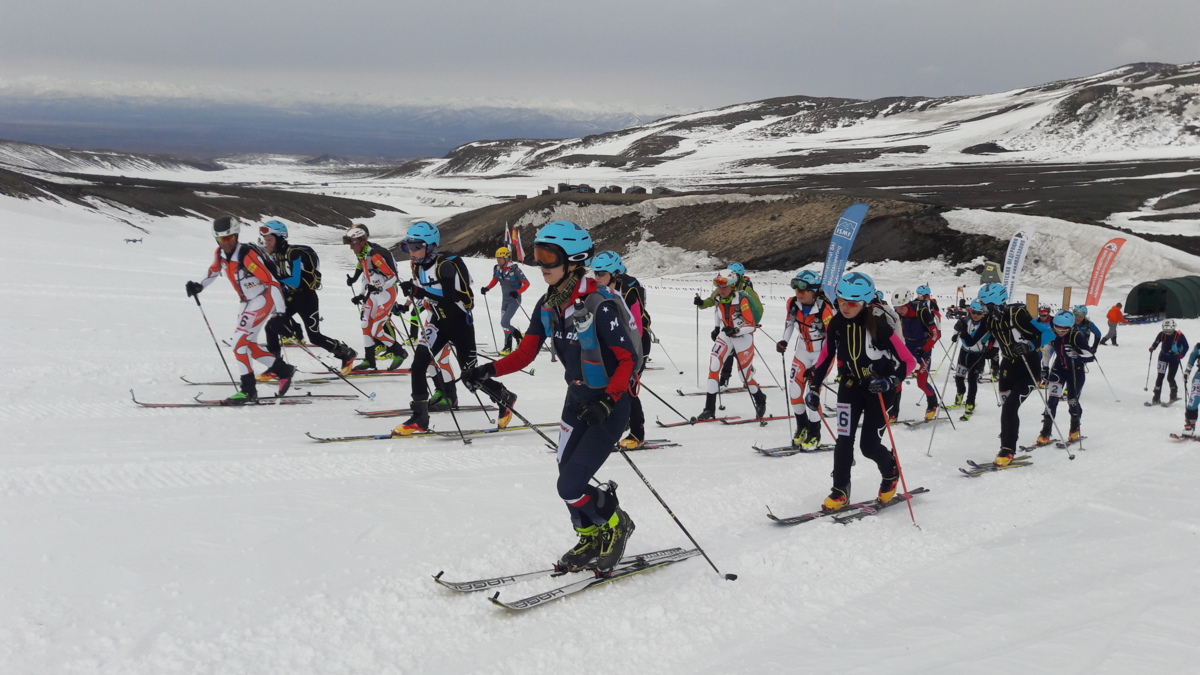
(224, 541)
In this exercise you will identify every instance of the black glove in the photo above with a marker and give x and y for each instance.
(350, 279)
(194, 288)
(417, 293)
(358, 299)
(595, 412)
(813, 400)
(1020, 348)
(483, 289)
(371, 289)
(399, 310)
(514, 295)
(730, 331)
(715, 332)
(406, 287)
(954, 338)
(881, 385)
(473, 378)
(781, 346)
(697, 301)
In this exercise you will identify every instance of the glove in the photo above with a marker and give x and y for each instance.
(954, 338)
(1151, 349)
(417, 293)
(697, 301)
(730, 331)
(194, 288)
(715, 332)
(881, 385)
(371, 289)
(1021, 348)
(514, 295)
(406, 287)
(350, 279)
(399, 310)
(1073, 353)
(483, 289)
(813, 400)
(781, 346)
(473, 378)
(595, 412)
(358, 299)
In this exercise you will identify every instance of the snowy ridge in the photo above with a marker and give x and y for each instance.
(31, 156)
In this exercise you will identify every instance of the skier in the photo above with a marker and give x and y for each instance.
(299, 278)
(512, 284)
(1083, 323)
(1044, 317)
(1172, 346)
(733, 336)
(1115, 317)
(925, 297)
(921, 333)
(1018, 338)
(745, 286)
(809, 311)
(609, 270)
(378, 268)
(974, 344)
(595, 339)
(1193, 402)
(872, 361)
(253, 276)
(442, 281)
(1071, 348)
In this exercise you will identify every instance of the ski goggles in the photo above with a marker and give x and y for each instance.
(722, 282)
(410, 245)
(548, 257)
(801, 285)
(227, 238)
(850, 303)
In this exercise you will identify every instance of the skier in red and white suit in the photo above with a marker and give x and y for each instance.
(251, 273)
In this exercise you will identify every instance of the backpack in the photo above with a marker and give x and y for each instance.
(756, 307)
(316, 265)
(584, 316)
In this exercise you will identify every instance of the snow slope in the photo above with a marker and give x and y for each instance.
(224, 541)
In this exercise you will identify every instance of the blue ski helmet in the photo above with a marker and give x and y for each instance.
(806, 280)
(608, 261)
(1079, 310)
(924, 290)
(424, 232)
(976, 306)
(1064, 319)
(993, 294)
(571, 239)
(273, 227)
(737, 268)
(856, 287)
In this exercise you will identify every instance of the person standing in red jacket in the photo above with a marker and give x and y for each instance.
(1115, 316)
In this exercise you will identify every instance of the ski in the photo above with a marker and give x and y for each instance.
(760, 420)
(980, 469)
(285, 397)
(306, 381)
(650, 444)
(400, 412)
(1069, 442)
(366, 373)
(922, 422)
(807, 517)
(619, 572)
(693, 421)
(1165, 404)
(723, 392)
(496, 582)
(789, 450)
(1185, 437)
(366, 437)
(875, 507)
(220, 403)
(493, 430)
(1036, 445)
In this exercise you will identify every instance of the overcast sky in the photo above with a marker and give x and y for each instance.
(645, 54)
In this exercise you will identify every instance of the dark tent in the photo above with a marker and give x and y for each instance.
(1177, 298)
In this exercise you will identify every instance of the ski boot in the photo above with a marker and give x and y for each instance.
(958, 400)
(813, 439)
(887, 489)
(504, 415)
(1174, 395)
(1073, 436)
(397, 353)
(710, 408)
(1004, 458)
(1189, 426)
(346, 355)
(439, 402)
(631, 442)
(801, 436)
(418, 423)
(368, 363)
(836, 501)
(969, 410)
(285, 372)
(248, 394)
(614, 534)
(931, 413)
(760, 404)
(583, 553)
(1156, 400)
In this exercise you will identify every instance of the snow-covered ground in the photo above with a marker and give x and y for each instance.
(224, 541)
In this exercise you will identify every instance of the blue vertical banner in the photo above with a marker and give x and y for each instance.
(1018, 247)
(839, 247)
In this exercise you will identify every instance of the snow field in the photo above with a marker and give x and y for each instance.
(224, 541)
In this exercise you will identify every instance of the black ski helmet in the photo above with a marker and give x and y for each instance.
(224, 226)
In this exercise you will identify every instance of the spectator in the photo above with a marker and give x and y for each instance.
(1115, 316)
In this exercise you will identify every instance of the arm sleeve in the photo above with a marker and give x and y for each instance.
(214, 270)
(828, 349)
(906, 357)
(297, 266)
(789, 320)
(524, 284)
(495, 277)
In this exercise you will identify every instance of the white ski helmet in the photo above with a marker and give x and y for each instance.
(902, 297)
(225, 226)
(1169, 325)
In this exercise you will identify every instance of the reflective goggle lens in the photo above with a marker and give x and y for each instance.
(800, 285)
(410, 245)
(849, 303)
(228, 237)
(720, 282)
(547, 257)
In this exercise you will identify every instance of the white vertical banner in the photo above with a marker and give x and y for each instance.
(1015, 258)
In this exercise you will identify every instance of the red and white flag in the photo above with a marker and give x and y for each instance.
(1108, 253)
(514, 238)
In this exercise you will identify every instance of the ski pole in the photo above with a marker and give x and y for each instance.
(1046, 408)
(1110, 387)
(941, 400)
(698, 347)
(489, 313)
(729, 577)
(788, 396)
(483, 407)
(896, 457)
(370, 396)
(214, 338)
(1149, 365)
(551, 444)
(690, 420)
(654, 339)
